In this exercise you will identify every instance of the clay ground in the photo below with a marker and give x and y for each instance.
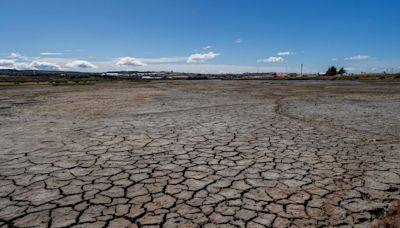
(199, 153)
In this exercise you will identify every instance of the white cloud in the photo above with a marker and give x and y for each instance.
(22, 66)
(271, 59)
(358, 58)
(81, 64)
(15, 55)
(284, 53)
(201, 57)
(7, 64)
(37, 65)
(12, 64)
(129, 61)
(238, 41)
(163, 59)
(207, 47)
(51, 53)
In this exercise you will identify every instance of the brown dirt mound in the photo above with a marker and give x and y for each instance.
(391, 219)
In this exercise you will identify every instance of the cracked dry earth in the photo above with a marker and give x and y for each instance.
(199, 154)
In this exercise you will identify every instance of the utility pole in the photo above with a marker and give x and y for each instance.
(301, 70)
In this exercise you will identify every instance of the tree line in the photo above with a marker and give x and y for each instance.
(332, 71)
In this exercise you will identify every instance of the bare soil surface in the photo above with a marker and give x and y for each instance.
(199, 154)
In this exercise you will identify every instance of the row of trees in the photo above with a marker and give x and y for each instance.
(332, 71)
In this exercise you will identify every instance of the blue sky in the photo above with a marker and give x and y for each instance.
(200, 35)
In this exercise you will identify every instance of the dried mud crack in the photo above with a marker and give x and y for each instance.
(197, 154)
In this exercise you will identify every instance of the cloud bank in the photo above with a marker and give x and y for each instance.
(358, 58)
(202, 57)
(163, 60)
(35, 65)
(129, 61)
(6, 63)
(82, 64)
(38, 65)
(51, 53)
(271, 59)
(284, 53)
(15, 55)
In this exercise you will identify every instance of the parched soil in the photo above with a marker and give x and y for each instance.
(199, 154)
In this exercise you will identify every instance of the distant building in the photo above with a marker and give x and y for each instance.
(178, 77)
(151, 77)
(112, 74)
(281, 75)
